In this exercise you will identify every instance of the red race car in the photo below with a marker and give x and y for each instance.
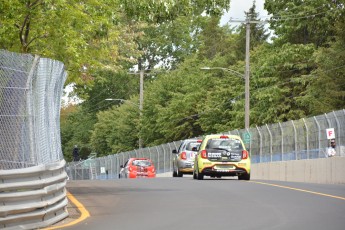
(137, 167)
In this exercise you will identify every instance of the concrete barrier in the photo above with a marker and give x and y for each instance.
(322, 170)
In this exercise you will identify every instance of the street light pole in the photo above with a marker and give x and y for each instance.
(141, 103)
(246, 87)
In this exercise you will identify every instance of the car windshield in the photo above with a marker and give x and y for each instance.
(191, 145)
(228, 144)
(141, 163)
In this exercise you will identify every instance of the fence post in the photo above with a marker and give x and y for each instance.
(282, 141)
(319, 131)
(295, 138)
(338, 128)
(150, 152)
(260, 136)
(157, 157)
(163, 158)
(307, 137)
(29, 110)
(269, 132)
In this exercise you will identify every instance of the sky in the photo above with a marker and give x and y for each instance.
(237, 9)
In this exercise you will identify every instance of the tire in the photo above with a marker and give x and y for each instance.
(174, 172)
(245, 176)
(200, 176)
(194, 175)
(179, 174)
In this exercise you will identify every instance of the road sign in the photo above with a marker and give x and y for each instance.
(246, 137)
(330, 133)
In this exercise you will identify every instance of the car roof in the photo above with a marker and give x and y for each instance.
(212, 136)
(139, 158)
(192, 139)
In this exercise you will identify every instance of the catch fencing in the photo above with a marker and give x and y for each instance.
(32, 167)
(292, 140)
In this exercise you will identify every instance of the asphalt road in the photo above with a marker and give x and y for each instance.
(183, 203)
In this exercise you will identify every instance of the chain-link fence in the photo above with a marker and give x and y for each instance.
(293, 140)
(30, 95)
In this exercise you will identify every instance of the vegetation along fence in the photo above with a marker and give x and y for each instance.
(292, 140)
(32, 168)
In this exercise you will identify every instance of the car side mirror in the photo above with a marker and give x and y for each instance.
(174, 151)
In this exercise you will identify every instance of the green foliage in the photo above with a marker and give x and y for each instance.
(75, 130)
(258, 33)
(277, 81)
(171, 106)
(116, 130)
(169, 10)
(299, 74)
(326, 92)
(81, 34)
(304, 22)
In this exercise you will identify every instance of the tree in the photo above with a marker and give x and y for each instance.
(171, 105)
(75, 129)
(83, 35)
(304, 22)
(277, 81)
(326, 91)
(258, 33)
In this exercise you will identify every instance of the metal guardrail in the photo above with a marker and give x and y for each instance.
(33, 197)
(292, 140)
(32, 169)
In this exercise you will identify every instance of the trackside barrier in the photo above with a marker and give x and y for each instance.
(33, 197)
(289, 143)
(32, 169)
(323, 171)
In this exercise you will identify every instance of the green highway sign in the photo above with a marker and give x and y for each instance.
(246, 137)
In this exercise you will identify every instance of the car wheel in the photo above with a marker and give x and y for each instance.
(199, 176)
(174, 172)
(245, 176)
(194, 175)
(179, 174)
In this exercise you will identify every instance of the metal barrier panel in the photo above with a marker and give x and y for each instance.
(33, 197)
(32, 169)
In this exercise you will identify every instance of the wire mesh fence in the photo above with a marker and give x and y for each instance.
(30, 94)
(292, 140)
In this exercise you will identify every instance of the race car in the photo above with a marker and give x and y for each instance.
(222, 155)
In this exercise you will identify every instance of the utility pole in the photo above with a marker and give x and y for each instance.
(247, 70)
(246, 78)
(141, 103)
